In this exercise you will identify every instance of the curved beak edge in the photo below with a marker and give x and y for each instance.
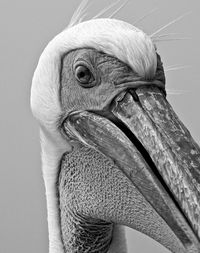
(158, 156)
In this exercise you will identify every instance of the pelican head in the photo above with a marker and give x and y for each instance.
(114, 153)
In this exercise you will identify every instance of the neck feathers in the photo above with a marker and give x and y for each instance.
(51, 156)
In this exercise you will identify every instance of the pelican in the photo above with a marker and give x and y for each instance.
(114, 153)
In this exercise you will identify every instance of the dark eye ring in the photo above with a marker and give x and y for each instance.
(84, 76)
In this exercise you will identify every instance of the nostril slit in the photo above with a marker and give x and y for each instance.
(134, 95)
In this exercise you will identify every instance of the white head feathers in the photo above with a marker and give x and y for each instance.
(114, 37)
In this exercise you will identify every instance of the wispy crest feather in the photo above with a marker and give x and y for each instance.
(176, 92)
(176, 67)
(168, 24)
(118, 9)
(145, 16)
(102, 12)
(79, 13)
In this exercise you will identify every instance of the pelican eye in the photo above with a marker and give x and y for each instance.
(84, 76)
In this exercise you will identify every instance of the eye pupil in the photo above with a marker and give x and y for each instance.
(81, 74)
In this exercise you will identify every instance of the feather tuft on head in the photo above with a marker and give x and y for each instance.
(111, 36)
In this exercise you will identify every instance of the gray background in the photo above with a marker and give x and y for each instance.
(26, 27)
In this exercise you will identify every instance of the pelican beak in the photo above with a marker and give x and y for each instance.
(141, 133)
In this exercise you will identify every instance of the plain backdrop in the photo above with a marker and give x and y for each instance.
(25, 29)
